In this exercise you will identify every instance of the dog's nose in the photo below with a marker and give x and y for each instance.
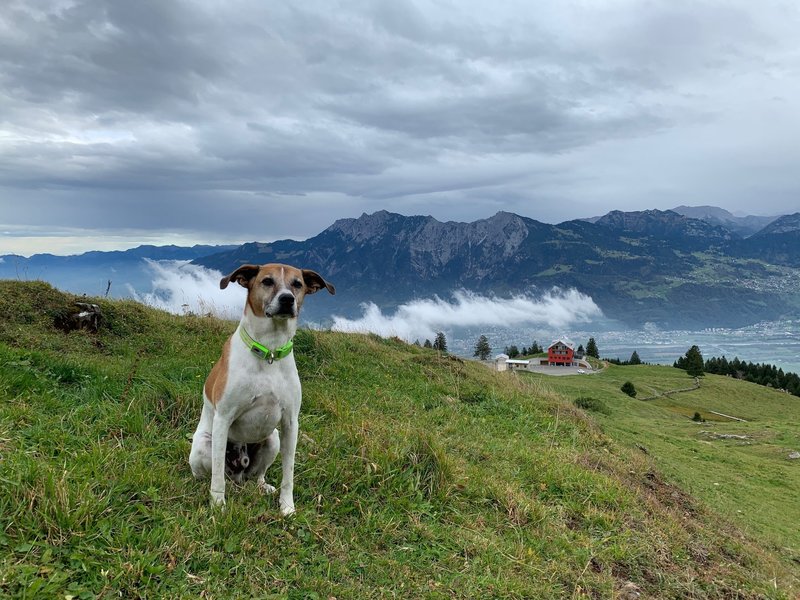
(286, 300)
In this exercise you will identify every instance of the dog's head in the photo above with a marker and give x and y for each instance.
(276, 291)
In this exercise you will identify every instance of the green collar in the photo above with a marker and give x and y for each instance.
(261, 351)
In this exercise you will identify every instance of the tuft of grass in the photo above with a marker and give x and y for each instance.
(417, 475)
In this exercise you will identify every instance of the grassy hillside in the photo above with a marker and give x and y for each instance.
(748, 478)
(418, 476)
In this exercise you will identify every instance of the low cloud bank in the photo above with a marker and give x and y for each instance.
(421, 319)
(180, 287)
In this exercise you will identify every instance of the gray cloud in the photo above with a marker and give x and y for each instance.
(195, 116)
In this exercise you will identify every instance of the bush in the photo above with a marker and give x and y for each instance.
(592, 404)
(698, 418)
(628, 388)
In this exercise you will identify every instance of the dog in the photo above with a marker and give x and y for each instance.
(253, 390)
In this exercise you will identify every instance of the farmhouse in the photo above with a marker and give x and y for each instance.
(561, 353)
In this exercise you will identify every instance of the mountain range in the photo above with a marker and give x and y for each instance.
(645, 266)
(664, 267)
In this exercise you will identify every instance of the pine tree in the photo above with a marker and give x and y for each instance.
(440, 343)
(482, 348)
(635, 360)
(512, 351)
(591, 348)
(427, 344)
(692, 361)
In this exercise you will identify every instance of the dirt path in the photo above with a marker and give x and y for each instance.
(670, 392)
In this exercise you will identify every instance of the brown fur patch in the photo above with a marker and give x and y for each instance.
(218, 377)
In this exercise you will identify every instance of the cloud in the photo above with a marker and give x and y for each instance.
(214, 117)
(180, 287)
(423, 318)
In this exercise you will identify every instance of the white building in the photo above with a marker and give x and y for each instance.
(500, 362)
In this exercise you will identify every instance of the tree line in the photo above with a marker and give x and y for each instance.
(439, 343)
(762, 374)
(513, 351)
(633, 360)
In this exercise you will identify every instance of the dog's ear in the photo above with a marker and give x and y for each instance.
(314, 282)
(243, 276)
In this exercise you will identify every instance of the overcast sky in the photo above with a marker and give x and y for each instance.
(150, 121)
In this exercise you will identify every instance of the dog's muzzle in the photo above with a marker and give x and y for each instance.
(284, 306)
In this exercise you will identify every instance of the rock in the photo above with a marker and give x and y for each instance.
(794, 455)
(629, 591)
(87, 317)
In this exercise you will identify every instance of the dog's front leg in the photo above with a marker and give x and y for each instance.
(219, 442)
(289, 428)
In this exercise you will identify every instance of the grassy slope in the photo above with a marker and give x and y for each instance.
(750, 481)
(418, 476)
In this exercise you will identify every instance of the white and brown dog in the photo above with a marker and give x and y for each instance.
(254, 388)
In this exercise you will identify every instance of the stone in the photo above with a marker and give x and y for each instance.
(88, 316)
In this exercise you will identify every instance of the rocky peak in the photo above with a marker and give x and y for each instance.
(639, 220)
(504, 230)
(662, 223)
(425, 234)
(373, 226)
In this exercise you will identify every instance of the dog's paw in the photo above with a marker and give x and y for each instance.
(218, 500)
(266, 488)
(287, 510)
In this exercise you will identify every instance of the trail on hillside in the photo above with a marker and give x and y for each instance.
(692, 388)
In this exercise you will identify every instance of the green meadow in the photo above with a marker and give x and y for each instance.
(739, 465)
(418, 475)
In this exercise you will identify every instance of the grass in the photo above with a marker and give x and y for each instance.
(417, 476)
(750, 481)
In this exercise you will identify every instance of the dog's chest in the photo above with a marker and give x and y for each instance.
(259, 398)
(257, 421)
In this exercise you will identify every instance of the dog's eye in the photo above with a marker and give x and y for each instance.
(268, 281)
(297, 284)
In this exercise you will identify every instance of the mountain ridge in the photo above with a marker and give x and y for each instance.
(640, 266)
(653, 266)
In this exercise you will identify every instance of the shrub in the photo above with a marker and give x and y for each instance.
(698, 418)
(628, 388)
(592, 404)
